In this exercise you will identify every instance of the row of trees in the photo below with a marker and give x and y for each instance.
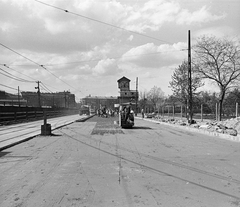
(216, 60)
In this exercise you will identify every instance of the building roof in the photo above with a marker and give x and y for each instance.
(100, 97)
(123, 79)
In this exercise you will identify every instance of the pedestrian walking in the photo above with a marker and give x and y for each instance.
(142, 111)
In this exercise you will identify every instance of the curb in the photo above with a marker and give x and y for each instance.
(201, 131)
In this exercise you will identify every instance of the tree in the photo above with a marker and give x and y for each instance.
(179, 83)
(155, 95)
(218, 60)
(142, 100)
(229, 105)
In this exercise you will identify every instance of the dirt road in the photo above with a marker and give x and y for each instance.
(96, 163)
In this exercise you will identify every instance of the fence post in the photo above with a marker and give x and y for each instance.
(173, 112)
(216, 111)
(201, 112)
(236, 110)
(181, 112)
(168, 111)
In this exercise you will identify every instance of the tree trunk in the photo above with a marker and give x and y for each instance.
(222, 95)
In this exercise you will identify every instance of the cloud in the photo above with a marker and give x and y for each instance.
(218, 31)
(154, 14)
(154, 56)
(106, 67)
(199, 16)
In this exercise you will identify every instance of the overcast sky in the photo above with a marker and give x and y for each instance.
(87, 49)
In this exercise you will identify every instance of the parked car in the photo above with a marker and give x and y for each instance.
(151, 115)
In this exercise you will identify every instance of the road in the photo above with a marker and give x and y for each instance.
(96, 163)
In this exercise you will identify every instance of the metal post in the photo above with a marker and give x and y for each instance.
(39, 95)
(189, 78)
(136, 94)
(216, 111)
(236, 110)
(181, 112)
(173, 112)
(201, 112)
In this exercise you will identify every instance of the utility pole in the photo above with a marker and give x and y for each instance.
(190, 103)
(39, 95)
(18, 97)
(136, 98)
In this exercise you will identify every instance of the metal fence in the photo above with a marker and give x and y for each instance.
(202, 112)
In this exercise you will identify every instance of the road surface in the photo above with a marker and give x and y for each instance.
(96, 163)
(15, 133)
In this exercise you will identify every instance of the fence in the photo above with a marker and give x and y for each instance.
(199, 112)
(14, 114)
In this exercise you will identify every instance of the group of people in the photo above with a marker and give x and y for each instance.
(105, 112)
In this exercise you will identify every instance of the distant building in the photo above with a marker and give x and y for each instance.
(61, 99)
(7, 99)
(126, 95)
(95, 102)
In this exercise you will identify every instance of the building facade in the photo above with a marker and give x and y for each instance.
(60, 99)
(126, 95)
(96, 102)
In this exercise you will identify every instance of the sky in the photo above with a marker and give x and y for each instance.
(85, 46)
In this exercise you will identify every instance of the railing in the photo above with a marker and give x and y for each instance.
(30, 113)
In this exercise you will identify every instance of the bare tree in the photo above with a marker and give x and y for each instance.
(218, 60)
(179, 82)
(155, 95)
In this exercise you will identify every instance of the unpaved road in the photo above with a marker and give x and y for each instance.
(96, 163)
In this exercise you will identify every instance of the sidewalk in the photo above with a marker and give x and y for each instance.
(17, 133)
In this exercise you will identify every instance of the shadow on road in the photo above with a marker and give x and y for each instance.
(141, 127)
(4, 153)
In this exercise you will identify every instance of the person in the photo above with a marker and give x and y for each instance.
(142, 111)
(128, 110)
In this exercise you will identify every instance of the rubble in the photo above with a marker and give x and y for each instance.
(230, 126)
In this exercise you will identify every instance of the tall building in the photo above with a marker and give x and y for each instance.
(126, 95)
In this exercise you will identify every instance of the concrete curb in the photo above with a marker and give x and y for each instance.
(201, 131)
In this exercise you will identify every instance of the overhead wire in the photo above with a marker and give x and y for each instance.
(9, 75)
(45, 87)
(99, 59)
(8, 87)
(101, 22)
(42, 66)
(18, 72)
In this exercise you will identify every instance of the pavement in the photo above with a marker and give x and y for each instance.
(96, 163)
(14, 134)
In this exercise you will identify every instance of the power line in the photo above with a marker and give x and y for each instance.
(99, 59)
(21, 55)
(18, 72)
(46, 88)
(8, 87)
(14, 77)
(42, 66)
(101, 22)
